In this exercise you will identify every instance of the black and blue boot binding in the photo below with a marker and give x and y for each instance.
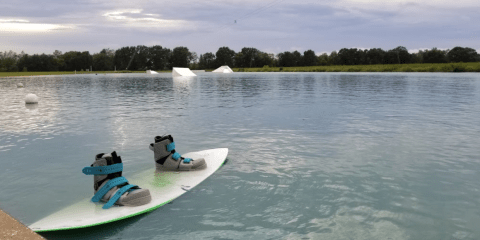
(166, 158)
(109, 185)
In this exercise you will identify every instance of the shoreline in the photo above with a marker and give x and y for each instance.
(410, 67)
(10, 228)
(395, 68)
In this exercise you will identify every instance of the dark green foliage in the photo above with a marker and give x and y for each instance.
(434, 56)
(8, 61)
(290, 59)
(252, 57)
(142, 57)
(104, 60)
(350, 56)
(333, 58)
(247, 57)
(374, 56)
(207, 61)
(398, 55)
(74, 61)
(323, 60)
(460, 54)
(224, 56)
(286, 59)
(38, 63)
(180, 57)
(142, 60)
(309, 58)
(123, 57)
(159, 57)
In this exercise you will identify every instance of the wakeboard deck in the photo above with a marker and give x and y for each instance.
(164, 187)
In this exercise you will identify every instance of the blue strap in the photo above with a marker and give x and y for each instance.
(171, 147)
(187, 160)
(176, 156)
(117, 195)
(103, 169)
(109, 185)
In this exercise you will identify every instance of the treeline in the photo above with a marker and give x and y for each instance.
(160, 58)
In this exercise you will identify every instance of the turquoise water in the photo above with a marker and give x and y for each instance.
(312, 156)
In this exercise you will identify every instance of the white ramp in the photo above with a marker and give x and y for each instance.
(182, 72)
(223, 69)
(151, 72)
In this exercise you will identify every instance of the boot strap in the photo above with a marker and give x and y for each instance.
(117, 196)
(101, 170)
(107, 187)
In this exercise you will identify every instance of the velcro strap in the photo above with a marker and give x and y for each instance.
(101, 170)
(117, 196)
(187, 160)
(171, 147)
(109, 185)
(176, 156)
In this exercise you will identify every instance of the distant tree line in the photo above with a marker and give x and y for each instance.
(160, 58)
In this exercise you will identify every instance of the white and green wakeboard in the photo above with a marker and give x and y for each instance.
(164, 186)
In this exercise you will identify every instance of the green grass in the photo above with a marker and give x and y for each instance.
(416, 67)
(19, 74)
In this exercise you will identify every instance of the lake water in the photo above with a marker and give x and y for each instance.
(312, 155)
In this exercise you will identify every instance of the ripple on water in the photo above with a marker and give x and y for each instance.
(311, 156)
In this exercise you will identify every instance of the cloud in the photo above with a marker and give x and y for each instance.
(134, 18)
(270, 25)
(25, 26)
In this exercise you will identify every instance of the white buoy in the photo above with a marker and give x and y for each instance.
(19, 85)
(31, 98)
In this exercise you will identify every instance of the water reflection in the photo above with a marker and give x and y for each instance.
(31, 107)
(17, 116)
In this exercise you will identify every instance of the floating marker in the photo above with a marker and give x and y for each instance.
(31, 98)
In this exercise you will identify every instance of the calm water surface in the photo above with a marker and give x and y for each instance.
(312, 156)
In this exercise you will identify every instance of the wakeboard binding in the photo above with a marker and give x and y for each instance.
(166, 158)
(109, 185)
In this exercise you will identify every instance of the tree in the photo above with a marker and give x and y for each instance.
(58, 59)
(333, 58)
(434, 56)
(123, 56)
(104, 60)
(8, 61)
(207, 61)
(350, 56)
(460, 54)
(248, 57)
(224, 56)
(417, 57)
(398, 55)
(264, 59)
(181, 57)
(238, 60)
(309, 58)
(286, 59)
(375, 56)
(159, 57)
(323, 60)
(297, 58)
(141, 60)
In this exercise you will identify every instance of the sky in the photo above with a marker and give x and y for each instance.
(271, 26)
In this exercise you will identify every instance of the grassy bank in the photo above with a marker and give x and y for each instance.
(19, 74)
(419, 67)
